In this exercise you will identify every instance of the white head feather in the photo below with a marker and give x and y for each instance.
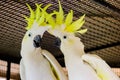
(27, 46)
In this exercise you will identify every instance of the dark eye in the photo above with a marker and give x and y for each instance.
(30, 34)
(64, 37)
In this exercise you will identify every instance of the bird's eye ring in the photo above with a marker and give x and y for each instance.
(64, 37)
(30, 34)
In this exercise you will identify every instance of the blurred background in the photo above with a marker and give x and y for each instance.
(102, 38)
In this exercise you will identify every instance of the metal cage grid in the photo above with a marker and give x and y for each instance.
(102, 21)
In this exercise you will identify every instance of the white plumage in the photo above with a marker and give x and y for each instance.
(36, 63)
(81, 66)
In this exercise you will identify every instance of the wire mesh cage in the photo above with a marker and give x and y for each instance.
(102, 38)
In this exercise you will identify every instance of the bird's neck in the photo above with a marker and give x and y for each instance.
(34, 56)
(73, 58)
(69, 53)
(74, 62)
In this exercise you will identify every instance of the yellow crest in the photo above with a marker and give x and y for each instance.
(70, 25)
(43, 18)
(39, 15)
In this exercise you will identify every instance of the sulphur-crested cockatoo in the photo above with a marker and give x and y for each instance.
(80, 66)
(36, 63)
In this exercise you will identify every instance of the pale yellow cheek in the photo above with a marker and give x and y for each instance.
(71, 41)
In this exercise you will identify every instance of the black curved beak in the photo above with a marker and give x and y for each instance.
(37, 41)
(57, 42)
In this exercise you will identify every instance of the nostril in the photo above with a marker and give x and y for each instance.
(57, 42)
(37, 41)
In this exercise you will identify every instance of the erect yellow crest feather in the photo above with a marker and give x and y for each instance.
(39, 15)
(70, 25)
(43, 18)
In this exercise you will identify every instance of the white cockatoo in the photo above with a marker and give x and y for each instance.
(80, 66)
(36, 63)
